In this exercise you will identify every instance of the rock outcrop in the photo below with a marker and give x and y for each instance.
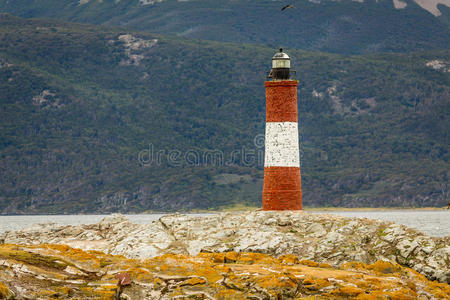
(58, 271)
(322, 238)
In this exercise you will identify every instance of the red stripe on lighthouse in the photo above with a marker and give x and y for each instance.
(281, 101)
(282, 180)
(282, 188)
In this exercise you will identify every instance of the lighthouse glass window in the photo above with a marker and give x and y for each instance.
(281, 63)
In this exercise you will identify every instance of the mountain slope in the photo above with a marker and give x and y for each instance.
(332, 26)
(82, 108)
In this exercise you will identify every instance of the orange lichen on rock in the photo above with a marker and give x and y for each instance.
(84, 260)
(64, 290)
(278, 286)
(241, 258)
(5, 292)
(193, 281)
(229, 275)
(228, 294)
(354, 265)
(215, 257)
(46, 293)
(253, 258)
(440, 290)
(315, 284)
(308, 263)
(324, 265)
(231, 257)
(348, 291)
(288, 259)
(384, 267)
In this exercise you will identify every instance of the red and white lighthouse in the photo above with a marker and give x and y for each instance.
(282, 188)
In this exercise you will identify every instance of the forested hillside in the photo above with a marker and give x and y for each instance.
(345, 26)
(81, 107)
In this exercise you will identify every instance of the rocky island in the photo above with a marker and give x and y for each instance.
(250, 255)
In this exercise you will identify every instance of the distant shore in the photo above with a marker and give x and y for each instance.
(372, 208)
(315, 209)
(240, 208)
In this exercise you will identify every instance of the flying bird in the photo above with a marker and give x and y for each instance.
(288, 6)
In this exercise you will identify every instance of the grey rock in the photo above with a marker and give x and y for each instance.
(324, 238)
(316, 230)
(406, 247)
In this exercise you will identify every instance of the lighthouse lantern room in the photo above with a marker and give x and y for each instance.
(281, 66)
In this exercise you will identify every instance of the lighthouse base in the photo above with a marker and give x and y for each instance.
(282, 188)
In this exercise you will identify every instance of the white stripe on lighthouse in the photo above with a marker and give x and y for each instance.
(282, 145)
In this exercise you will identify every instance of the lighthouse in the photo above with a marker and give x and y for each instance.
(282, 182)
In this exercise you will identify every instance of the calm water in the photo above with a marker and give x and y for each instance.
(434, 223)
(430, 222)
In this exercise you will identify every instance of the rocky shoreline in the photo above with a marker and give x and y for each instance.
(322, 238)
(57, 271)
